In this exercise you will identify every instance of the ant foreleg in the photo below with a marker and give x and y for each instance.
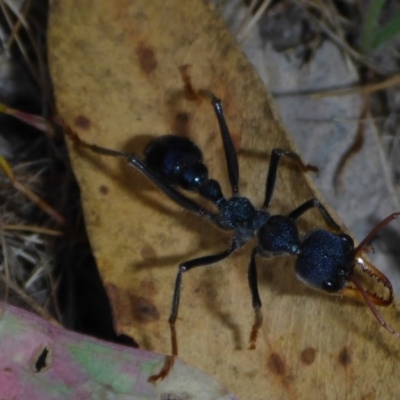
(256, 301)
(229, 149)
(299, 211)
(276, 154)
(184, 267)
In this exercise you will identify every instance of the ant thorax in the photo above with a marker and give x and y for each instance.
(239, 215)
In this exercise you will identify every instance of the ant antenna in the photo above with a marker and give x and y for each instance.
(364, 243)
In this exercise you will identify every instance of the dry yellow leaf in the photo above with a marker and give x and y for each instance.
(115, 69)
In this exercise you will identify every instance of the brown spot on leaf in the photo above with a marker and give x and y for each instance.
(104, 189)
(345, 357)
(143, 310)
(148, 287)
(82, 122)
(147, 58)
(128, 307)
(181, 123)
(148, 253)
(7, 369)
(369, 396)
(191, 94)
(276, 365)
(307, 356)
(197, 290)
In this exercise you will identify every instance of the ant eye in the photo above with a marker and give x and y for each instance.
(348, 243)
(331, 286)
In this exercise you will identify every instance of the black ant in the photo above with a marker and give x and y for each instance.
(325, 260)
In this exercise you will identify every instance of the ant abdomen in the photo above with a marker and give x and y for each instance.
(326, 260)
(178, 160)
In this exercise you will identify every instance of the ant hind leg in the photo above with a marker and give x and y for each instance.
(184, 267)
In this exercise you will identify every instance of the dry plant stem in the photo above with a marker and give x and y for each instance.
(386, 163)
(5, 166)
(31, 228)
(364, 89)
(245, 21)
(53, 297)
(24, 22)
(337, 38)
(355, 147)
(47, 208)
(39, 310)
(241, 35)
(5, 258)
(14, 33)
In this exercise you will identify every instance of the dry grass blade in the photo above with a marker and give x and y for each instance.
(364, 89)
(36, 121)
(31, 303)
(36, 229)
(36, 66)
(249, 25)
(33, 197)
(331, 25)
(6, 266)
(5, 6)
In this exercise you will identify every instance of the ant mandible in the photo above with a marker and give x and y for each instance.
(325, 260)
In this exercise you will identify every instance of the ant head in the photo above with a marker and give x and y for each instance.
(358, 290)
(326, 261)
(372, 299)
(370, 270)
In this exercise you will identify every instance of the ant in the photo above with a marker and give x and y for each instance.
(325, 260)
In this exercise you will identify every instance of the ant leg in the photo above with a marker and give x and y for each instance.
(135, 162)
(170, 191)
(312, 204)
(184, 267)
(276, 154)
(258, 319)
(229, 149)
